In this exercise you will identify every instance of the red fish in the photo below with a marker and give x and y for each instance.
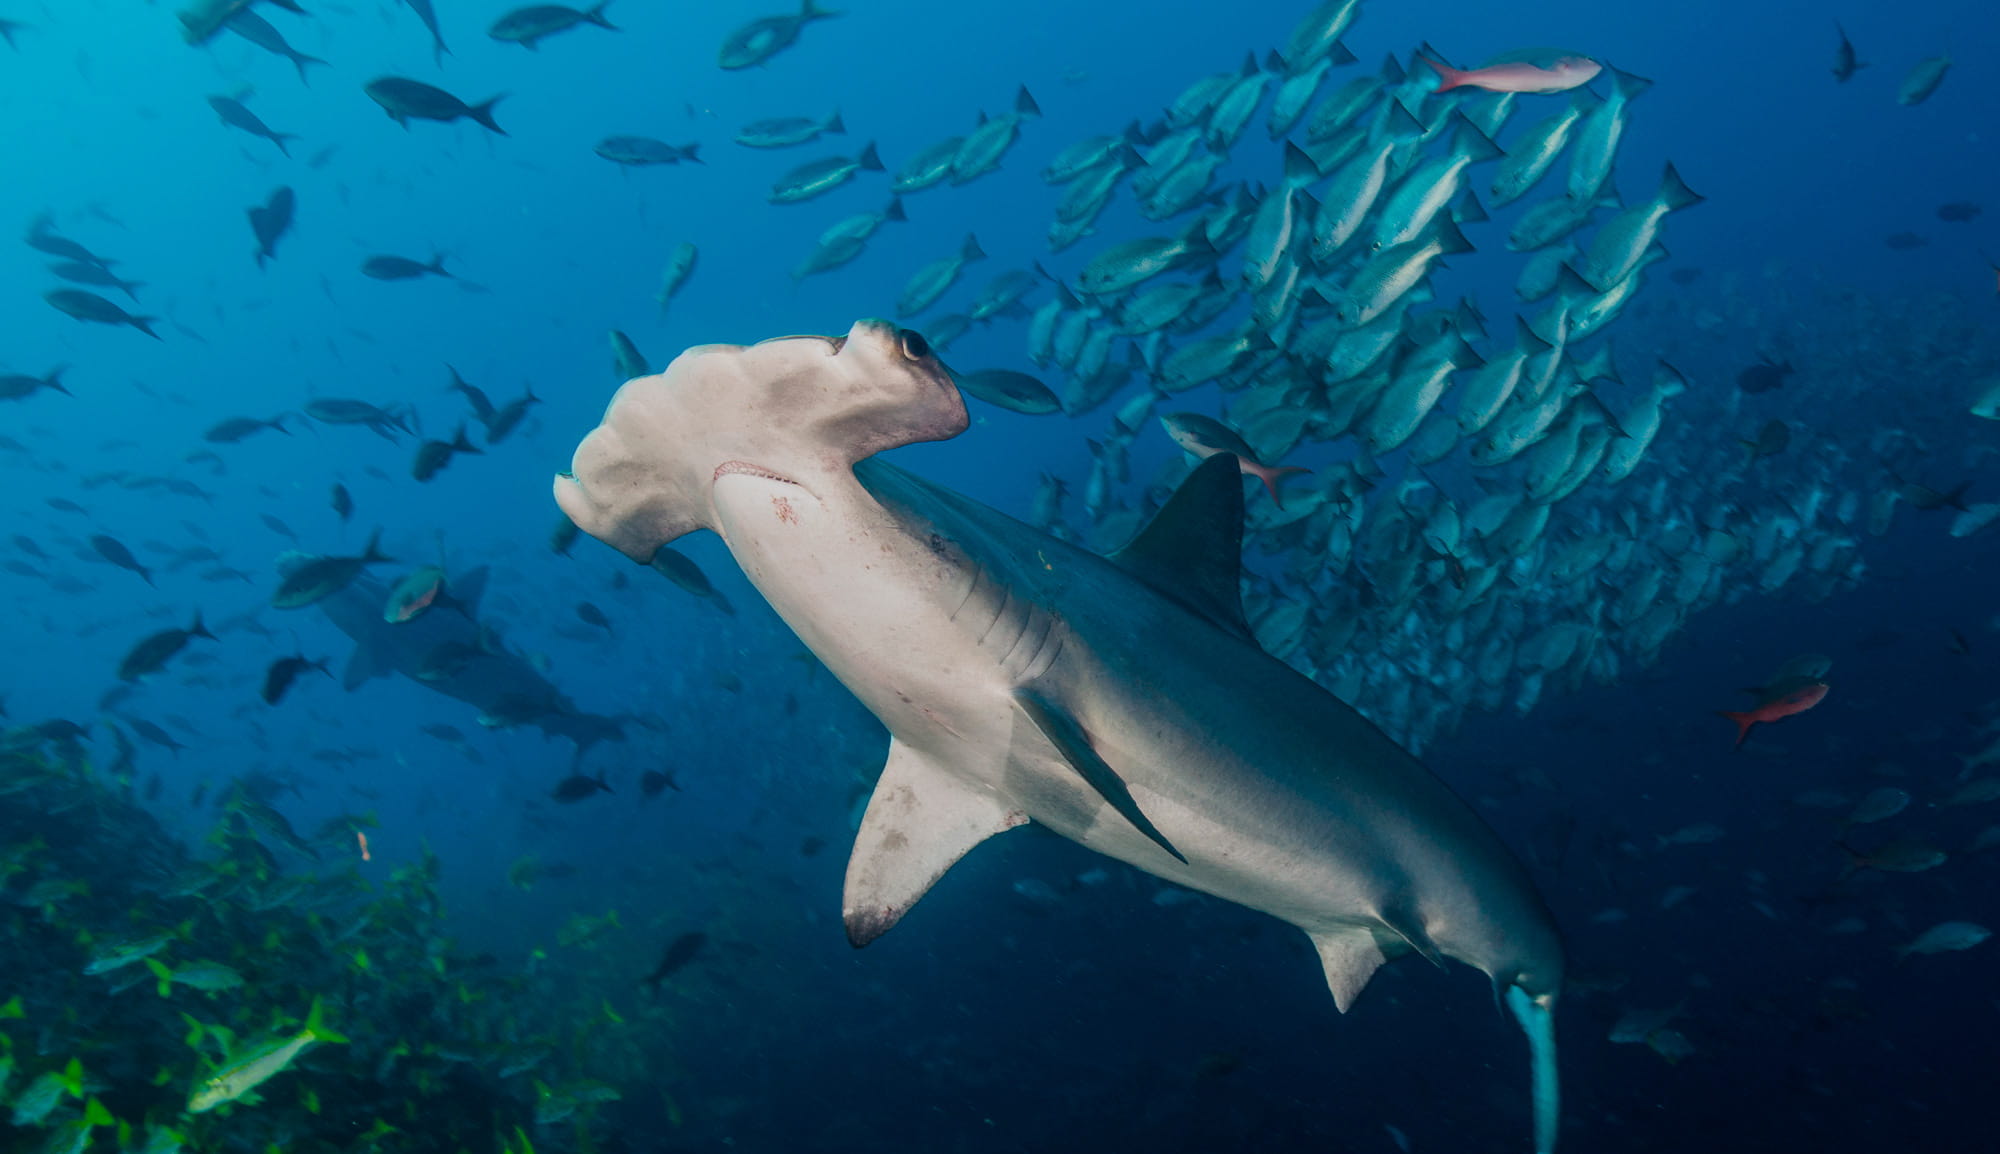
(1535, 70)
(1778, 701)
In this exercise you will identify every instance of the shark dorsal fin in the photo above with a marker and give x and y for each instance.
(919, 822)
(1192, 550)
(468, 589)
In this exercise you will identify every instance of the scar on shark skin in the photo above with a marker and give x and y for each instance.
(783, 507)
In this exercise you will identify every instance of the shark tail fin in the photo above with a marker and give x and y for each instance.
(1536, 1014)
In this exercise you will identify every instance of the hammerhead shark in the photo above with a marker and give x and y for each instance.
(1120, 701)
(448, 651)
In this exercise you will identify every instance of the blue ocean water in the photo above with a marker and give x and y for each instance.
(1042, 997)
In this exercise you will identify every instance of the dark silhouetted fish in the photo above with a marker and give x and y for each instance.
(20, 386)
(234, 429)
(90, 307)
(390, 267)
(509, 416)
(1010, 390)
(680, 952)
(766, 36)
(578, 786)
(343, 502)
(675, 566)
(406, 100)
(639, 151)
(285, 670)
(322, 577)
(271, 220)
(1958, 212)
(654, 782)
(153, 653)
(529, 26)
(428, 15)
(83, 272)
(114, 551)
(433, 456)
(235, 115)
(204, 18)
(1845, 63)
(258, 31)
(1765, 376)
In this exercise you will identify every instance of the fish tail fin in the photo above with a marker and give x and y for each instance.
(835, 126)
(163, 975)
(1271, 475)
(895, 210)
(596, 15)
(809, 11)
(692, 153)
(1627, 85)
(299, 61)
(1674, 192)
(316, 1027)
(1743, 723)
(483, 113)
(279, 139)
(145, 325)
(970, 250)
(460, 445)
(869, 160)
(198, 629)
(54, 380)
(1536, 1016)
(1448, 77)
(373, 554)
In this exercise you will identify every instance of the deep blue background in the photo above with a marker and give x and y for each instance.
(992, 1022)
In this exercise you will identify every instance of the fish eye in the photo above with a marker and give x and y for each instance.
(915, 347)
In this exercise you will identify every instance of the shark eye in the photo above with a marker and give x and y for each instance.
(915, 347)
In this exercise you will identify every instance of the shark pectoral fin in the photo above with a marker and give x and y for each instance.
(1350, 957)
(1069, 739)
(368, 661)
(1537, 1018)
(1192, 549)
(919, 822)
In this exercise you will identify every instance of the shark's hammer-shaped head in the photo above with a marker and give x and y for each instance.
(791, 409)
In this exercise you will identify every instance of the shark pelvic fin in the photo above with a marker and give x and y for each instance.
(1069, 739)
(1192, 549)
(368, 661)
(919, 822)
(1350, 957)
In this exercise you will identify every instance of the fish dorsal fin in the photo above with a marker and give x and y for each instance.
(1070, 740)
(467, 590)
(368, 661)
(1350, 957)
(1192, 550)
(919, 822)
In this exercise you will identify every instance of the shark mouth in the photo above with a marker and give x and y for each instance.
(746, 469)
